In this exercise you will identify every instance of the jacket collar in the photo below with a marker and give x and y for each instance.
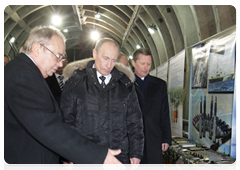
(82, 64)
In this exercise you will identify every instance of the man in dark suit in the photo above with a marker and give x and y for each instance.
(33, 130)
(152, 95)
(56, 82)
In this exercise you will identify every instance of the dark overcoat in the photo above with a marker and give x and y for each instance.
(33, 130)
(155, 110)
(54, 87)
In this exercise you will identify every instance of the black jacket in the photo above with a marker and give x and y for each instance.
(109, 117)
(155, 110)
(33, 130)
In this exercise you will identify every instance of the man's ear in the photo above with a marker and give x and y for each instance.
(35, 49)
(94, 53)
(133, 63)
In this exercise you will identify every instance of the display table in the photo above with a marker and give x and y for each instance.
(184, 160)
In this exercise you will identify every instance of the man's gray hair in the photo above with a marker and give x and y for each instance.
(40, 34)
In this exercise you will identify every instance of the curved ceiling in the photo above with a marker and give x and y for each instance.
(176, 26)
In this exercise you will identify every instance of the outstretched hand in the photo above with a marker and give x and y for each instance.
(110, 159)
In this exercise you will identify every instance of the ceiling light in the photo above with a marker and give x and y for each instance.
(151, 30)
(65, 30)
(95, 35)
(131, 57)
(12, 40)
(56, 20)
(138, 46)
(97, 15)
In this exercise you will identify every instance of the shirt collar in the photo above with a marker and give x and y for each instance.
(108, 77)
(30, 58)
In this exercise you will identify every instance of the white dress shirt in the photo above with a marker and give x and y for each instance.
(108, 77)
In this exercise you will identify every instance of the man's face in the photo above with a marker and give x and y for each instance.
(105, 58)
(60, 69)
(142, 65)
(48, 62)
(123, 60)
(5, 60)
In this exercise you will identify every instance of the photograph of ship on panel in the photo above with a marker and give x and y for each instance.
(221, 65)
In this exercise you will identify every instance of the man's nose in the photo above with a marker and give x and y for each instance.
(60, 63)
(109, 64)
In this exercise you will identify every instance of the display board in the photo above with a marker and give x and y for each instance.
(211, 110)
(234, 144)
(200, 57)
(222, 65)
(153, 73)
(162, 71)
(175, 91)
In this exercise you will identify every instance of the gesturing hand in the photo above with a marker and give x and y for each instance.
(110, 159)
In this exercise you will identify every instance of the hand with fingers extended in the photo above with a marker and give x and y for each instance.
(111, 162)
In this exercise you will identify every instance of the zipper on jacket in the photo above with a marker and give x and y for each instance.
(100, 88)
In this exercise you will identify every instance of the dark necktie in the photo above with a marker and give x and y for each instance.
(103, 81)
(60, 82)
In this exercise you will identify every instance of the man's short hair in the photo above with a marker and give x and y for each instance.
(143, 51)
(101, 41)
(40, 34)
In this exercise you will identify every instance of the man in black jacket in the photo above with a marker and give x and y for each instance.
(33, 130)
(99, 101)
(152, 95)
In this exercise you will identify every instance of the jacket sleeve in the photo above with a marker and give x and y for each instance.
(67, 104)
(135, 126)
(165, 120)
(29, 101)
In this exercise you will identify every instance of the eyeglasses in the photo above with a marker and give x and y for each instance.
(59, 58)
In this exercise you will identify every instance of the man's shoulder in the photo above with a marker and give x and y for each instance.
(157, 80)
(17, 66)
(72, 67)
(77, 76)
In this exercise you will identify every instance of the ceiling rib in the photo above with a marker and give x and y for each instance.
(78, 9)
(131, 22)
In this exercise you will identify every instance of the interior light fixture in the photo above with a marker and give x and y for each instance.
(56, 20)
(131, 57)
(138, 46)
(12, 40)
(151, 30)
(95, 35)
(65, 30)
(97, 15)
